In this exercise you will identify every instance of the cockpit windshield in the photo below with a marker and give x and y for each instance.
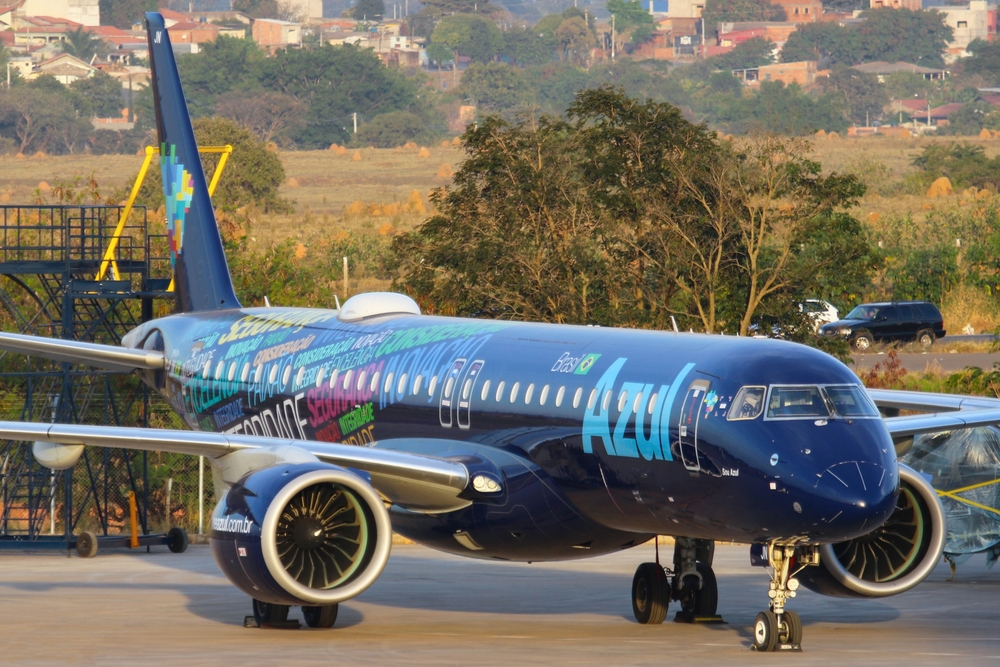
(851, 401)
(797, 402)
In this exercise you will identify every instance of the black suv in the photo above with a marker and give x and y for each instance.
(899, 320)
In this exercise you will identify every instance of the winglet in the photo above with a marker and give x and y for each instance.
(201, 275)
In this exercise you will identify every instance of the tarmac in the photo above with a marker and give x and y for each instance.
(427, 608)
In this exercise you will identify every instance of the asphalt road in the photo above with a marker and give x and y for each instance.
(433, 609)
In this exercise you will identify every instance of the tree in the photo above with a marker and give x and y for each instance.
(985, 60)
(824, 42)
(902, 35)
(469, 35)
(632, 19)
(526, 46)
(494, 87)
(864, 97)
(220, 66)
(574, 40)
(270, 116)
(103, 92)
(780, 109)
(393, 129)
(717, 11)
(370, 10)
(125, 13)
(753, 52)
(83, 45)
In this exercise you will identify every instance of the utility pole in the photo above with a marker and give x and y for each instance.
(355, 132)
(612, 36)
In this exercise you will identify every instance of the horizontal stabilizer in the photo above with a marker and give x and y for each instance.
(108, 357)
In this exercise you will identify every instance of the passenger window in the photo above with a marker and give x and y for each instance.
(796, 403)
(319, 376)
(622, 400)
(219, 370)
(528, 393)
(448, 386)
(206, 372)
(652, 403)
(347, 379)
(361, 380)
(417, 384)
(907, 313)
(513, 391)
(559, 396)
(485, 392)
(374, 384)
(299, 377)
(245, 375)
(258, 374)
(638, 403)
(499, 391)
(577, 396)
(467, 389)
(433, 385)
(607, 399)
(592, 400)
(286, 375)
(333, 378)
(273, 377)
(232, 371)
(388, 383)
(401, 387)
(748, 404)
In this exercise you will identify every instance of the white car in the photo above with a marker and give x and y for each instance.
(819, 312)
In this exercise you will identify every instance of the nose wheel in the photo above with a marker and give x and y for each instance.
(779, 629)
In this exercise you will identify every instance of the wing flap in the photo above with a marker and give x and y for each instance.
(109, 357)
(414, 481)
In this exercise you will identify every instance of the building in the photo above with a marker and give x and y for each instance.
(912, 5)
(272, 33)
(801, 11)
(65, 68)
(974, 21)
(307, 9)
(83, 12)
(199, 32)
(802, 73)
(42, 30)
(734, 34)
(685, 9)
(883, 69)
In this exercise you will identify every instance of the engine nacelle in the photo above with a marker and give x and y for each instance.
(892, 559)
(301, 534)
(54, 456)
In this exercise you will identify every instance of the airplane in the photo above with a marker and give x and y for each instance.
(327, 430)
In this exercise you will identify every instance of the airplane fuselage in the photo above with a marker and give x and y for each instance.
(603, 436)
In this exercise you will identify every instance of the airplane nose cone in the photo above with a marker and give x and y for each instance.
(857, 497)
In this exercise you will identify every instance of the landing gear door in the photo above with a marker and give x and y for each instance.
(449, 391)
(466, 391)
(687, 428)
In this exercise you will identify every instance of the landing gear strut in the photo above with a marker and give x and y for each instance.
(779, 629)
(691, 582)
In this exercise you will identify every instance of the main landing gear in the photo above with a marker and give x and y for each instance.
(779, 629)
(691, 582)
(268, 615)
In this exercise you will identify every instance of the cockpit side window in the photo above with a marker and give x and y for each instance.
(796, 402)
(748, 404)
(851, 401)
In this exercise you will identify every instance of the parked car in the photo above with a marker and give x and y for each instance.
(819, 312)
(898, 320)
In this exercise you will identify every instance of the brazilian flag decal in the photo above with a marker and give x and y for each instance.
(586, 363)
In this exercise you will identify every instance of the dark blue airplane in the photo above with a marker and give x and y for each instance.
(328, 429)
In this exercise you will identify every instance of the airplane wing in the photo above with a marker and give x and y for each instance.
(940, 412)
(109, 357)
(416, 482)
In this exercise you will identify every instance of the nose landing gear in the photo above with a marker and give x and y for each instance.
(779, 629)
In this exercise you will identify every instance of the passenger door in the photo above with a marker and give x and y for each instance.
(687, 427)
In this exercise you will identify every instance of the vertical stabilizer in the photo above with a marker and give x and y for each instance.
(201, 275)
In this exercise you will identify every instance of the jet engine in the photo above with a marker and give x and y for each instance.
(301, 534)
(892, 559)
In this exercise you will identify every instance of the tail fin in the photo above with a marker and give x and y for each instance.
(201, 275)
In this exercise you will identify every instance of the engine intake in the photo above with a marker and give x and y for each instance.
(891, 559)
(307, 533)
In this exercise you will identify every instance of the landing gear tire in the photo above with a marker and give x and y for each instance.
(650, 594)
(699, 603)
(320, 617)
(178, 540)
(765, 632)
(266, 613)
(86, 545)
(790, 630)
